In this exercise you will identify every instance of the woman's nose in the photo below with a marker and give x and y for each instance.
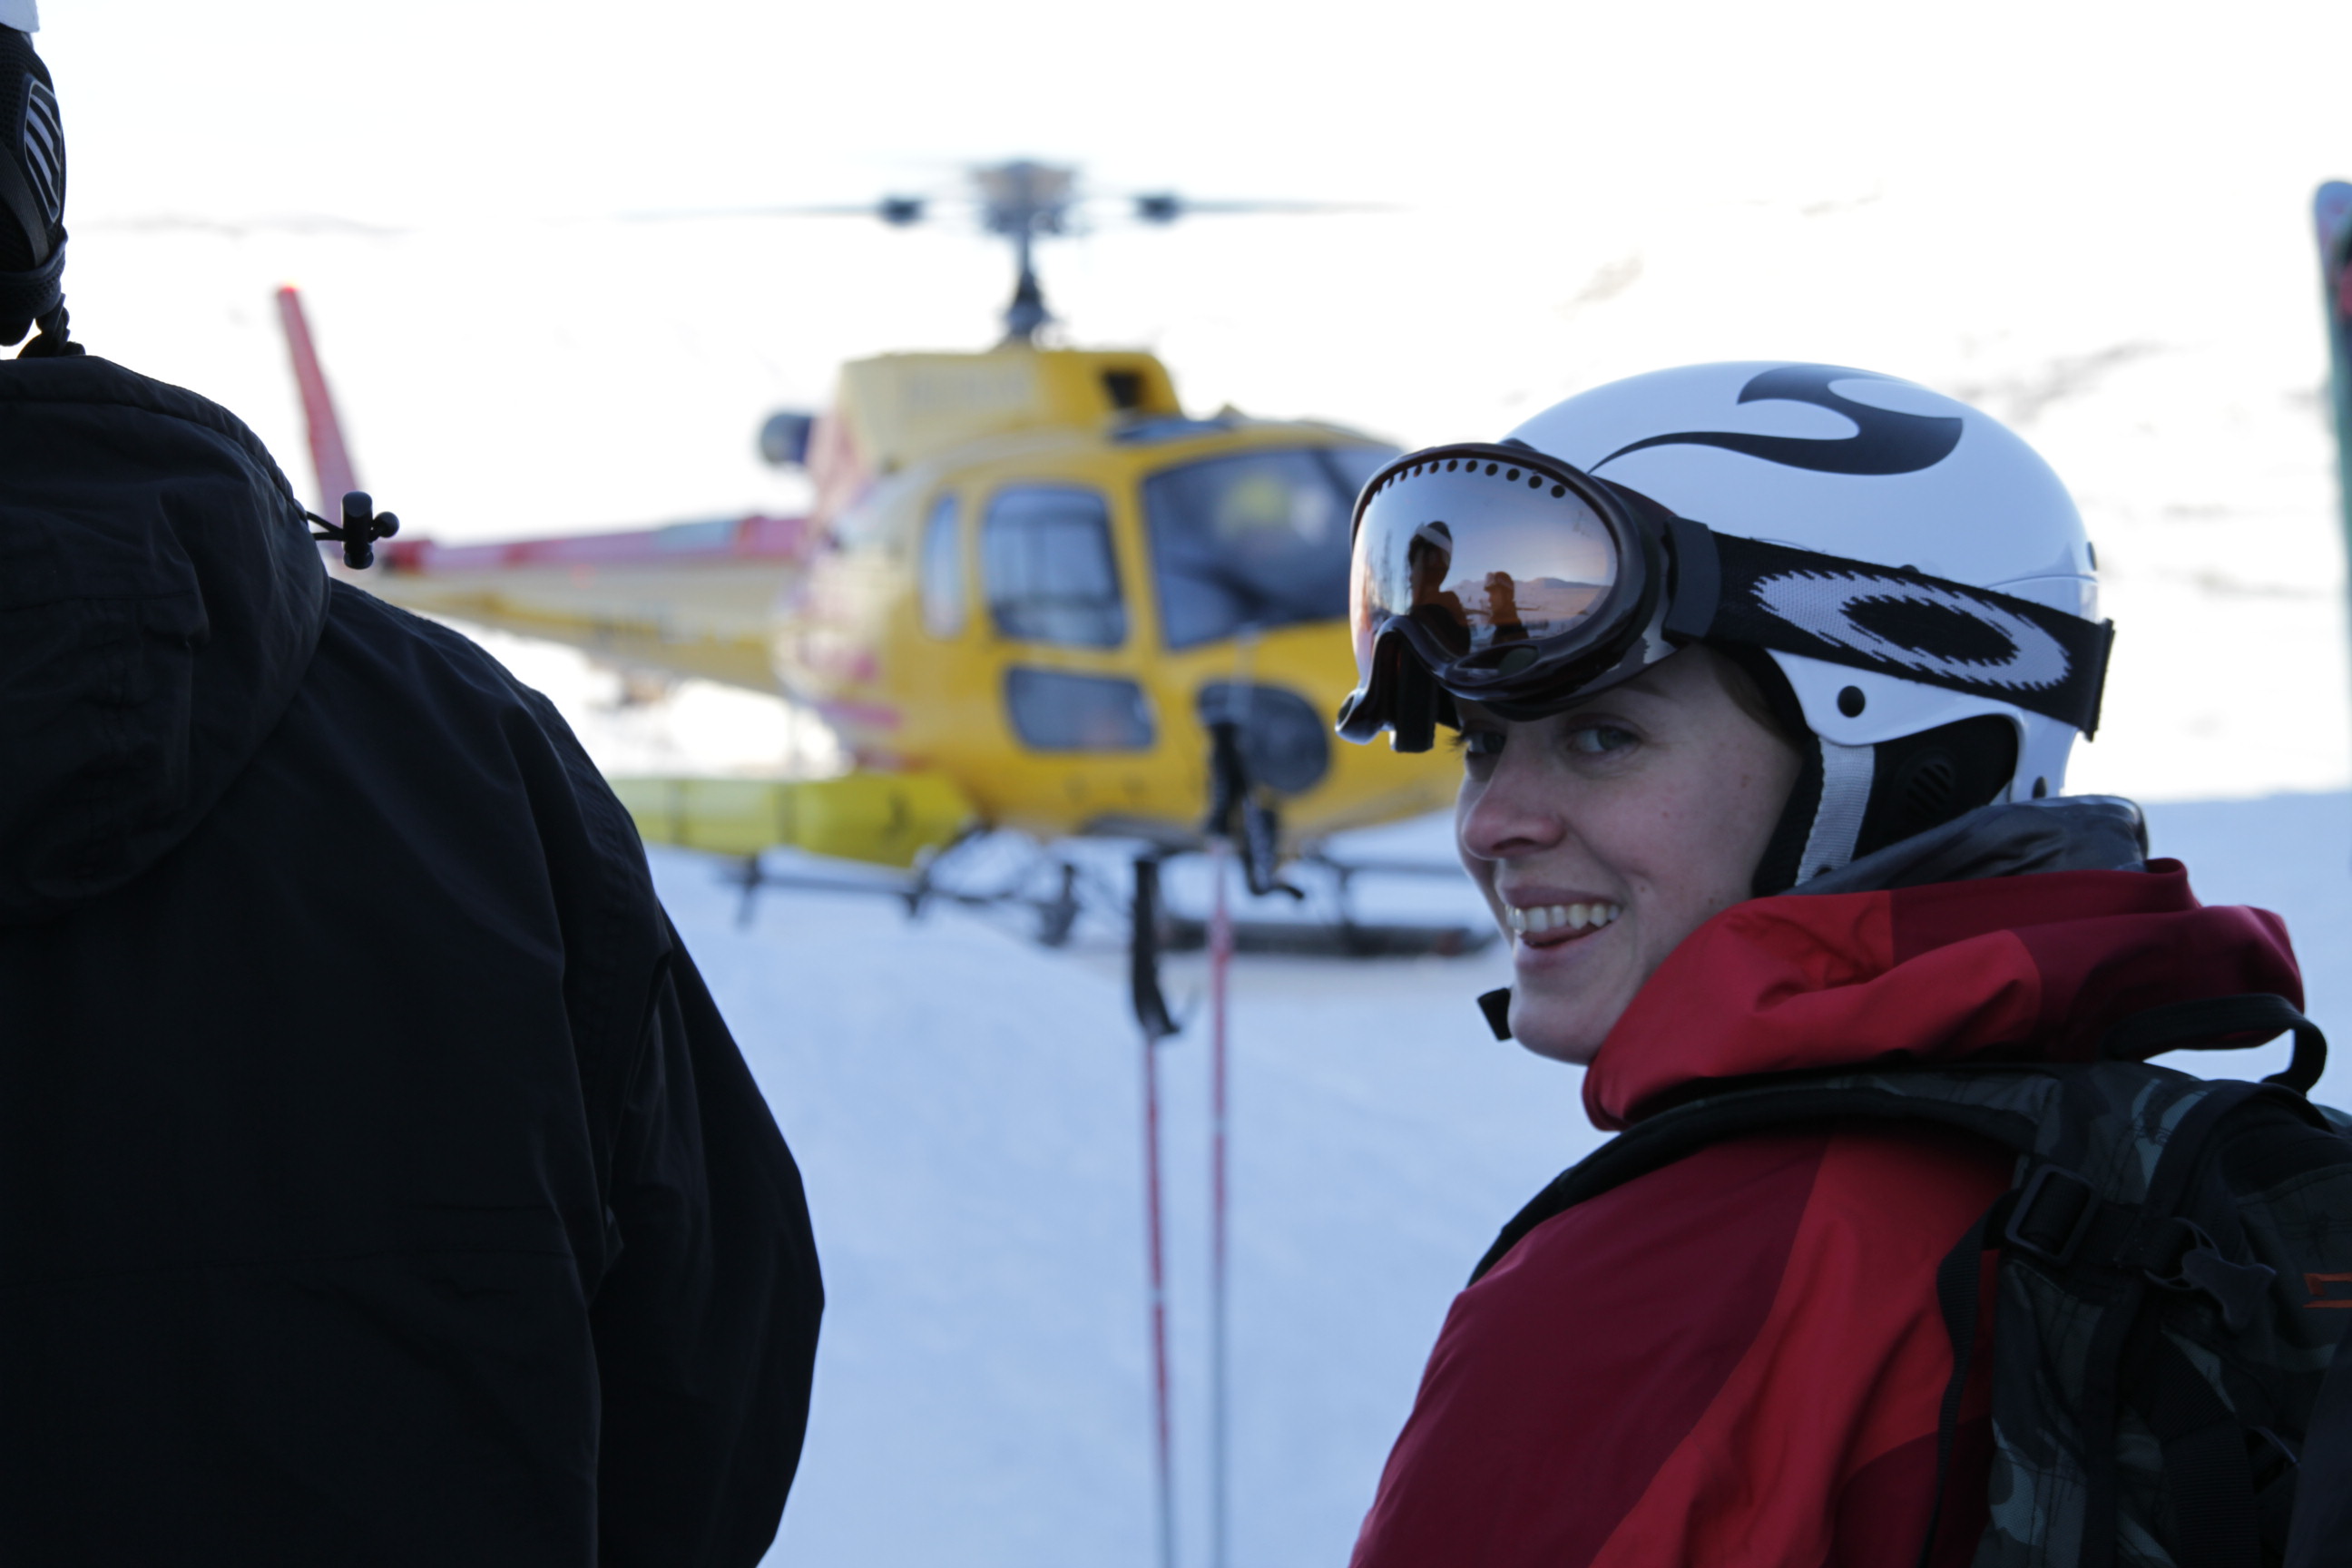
(1512, 812)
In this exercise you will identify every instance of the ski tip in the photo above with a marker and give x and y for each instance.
(2331, 208)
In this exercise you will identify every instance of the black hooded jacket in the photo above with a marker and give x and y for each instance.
(378, 1183)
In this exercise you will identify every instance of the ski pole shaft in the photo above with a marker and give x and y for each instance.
(1163, 1469)
(1221, 963)
(1153, 1025)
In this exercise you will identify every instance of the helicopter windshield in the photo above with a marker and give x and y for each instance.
(1256, 540)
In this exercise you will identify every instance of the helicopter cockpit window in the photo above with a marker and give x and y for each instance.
(942, 571)
(1255, 539)
(1045, 553)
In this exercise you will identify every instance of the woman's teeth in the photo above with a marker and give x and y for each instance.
(1544, 918)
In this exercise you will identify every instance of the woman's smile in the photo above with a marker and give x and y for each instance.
(1546, 920)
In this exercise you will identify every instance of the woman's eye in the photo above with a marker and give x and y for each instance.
(1479, 748)
(1596, 740)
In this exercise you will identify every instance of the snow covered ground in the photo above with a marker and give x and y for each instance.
(966, 1108)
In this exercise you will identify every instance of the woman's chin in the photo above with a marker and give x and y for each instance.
(1562, 1008)
(1561, 1029)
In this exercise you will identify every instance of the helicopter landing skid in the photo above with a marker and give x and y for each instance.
(1057, 913)
(1329, 939)
(1059, 893)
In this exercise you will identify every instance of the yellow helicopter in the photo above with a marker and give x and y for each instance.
(1033, 593)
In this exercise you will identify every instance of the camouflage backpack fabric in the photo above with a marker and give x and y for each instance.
(2174, 1275)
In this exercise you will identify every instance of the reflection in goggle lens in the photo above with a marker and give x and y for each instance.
(1481, 555)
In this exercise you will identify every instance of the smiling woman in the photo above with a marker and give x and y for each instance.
(1605, 834)
(1858, 679)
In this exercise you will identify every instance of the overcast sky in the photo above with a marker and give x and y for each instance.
(2091, 219)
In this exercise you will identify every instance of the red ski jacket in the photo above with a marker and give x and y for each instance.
(1738, 1358)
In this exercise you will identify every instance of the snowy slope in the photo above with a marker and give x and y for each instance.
(966, 1108)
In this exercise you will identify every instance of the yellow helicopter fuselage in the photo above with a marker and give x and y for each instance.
(1029, 583)
(933, 675)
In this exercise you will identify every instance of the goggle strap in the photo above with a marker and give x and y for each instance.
(1698, 580)
(1889, 620)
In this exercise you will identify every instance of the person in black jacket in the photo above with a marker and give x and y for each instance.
(378, 1182)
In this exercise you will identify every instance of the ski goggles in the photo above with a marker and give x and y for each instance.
(1498, 576)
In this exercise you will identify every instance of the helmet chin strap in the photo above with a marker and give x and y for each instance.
(1844, 799)
(1821, 820)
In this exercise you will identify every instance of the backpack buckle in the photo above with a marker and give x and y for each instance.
(2051, 1219)
(2200, 1268)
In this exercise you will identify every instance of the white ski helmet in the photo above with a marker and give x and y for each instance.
(1918, 575)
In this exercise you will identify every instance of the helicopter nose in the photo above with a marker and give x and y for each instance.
(1284, 740)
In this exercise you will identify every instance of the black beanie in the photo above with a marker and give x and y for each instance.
(32, 190)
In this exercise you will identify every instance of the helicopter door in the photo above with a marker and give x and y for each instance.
(1052, 581)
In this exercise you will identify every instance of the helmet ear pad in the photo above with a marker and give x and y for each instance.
(1923, 781)
(1917, 782)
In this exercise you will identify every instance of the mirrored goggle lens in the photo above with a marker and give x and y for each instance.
(1481, 554)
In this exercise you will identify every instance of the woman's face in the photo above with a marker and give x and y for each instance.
(1605, 834)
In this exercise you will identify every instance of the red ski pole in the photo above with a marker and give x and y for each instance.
(1221, 961)
(1161, 1457)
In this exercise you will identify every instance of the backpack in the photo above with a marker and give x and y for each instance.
(2174, 1275)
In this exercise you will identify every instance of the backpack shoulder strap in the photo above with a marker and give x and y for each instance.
(2322, 1534)
(2094, 1134)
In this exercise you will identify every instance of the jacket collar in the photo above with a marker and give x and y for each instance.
(2004, 967)
(2072, 833)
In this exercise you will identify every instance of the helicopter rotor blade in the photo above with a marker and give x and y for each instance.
(1167, 206)
(899, 212)
(303, 224)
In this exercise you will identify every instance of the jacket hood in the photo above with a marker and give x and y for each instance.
(2033, 967)
(159, 598)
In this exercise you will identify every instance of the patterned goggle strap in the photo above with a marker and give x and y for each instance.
(1892, 621)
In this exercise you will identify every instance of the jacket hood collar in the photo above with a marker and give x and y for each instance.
(159, 598)
(1940, 963)
(2072, 833)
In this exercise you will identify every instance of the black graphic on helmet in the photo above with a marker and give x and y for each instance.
(1883, 442)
